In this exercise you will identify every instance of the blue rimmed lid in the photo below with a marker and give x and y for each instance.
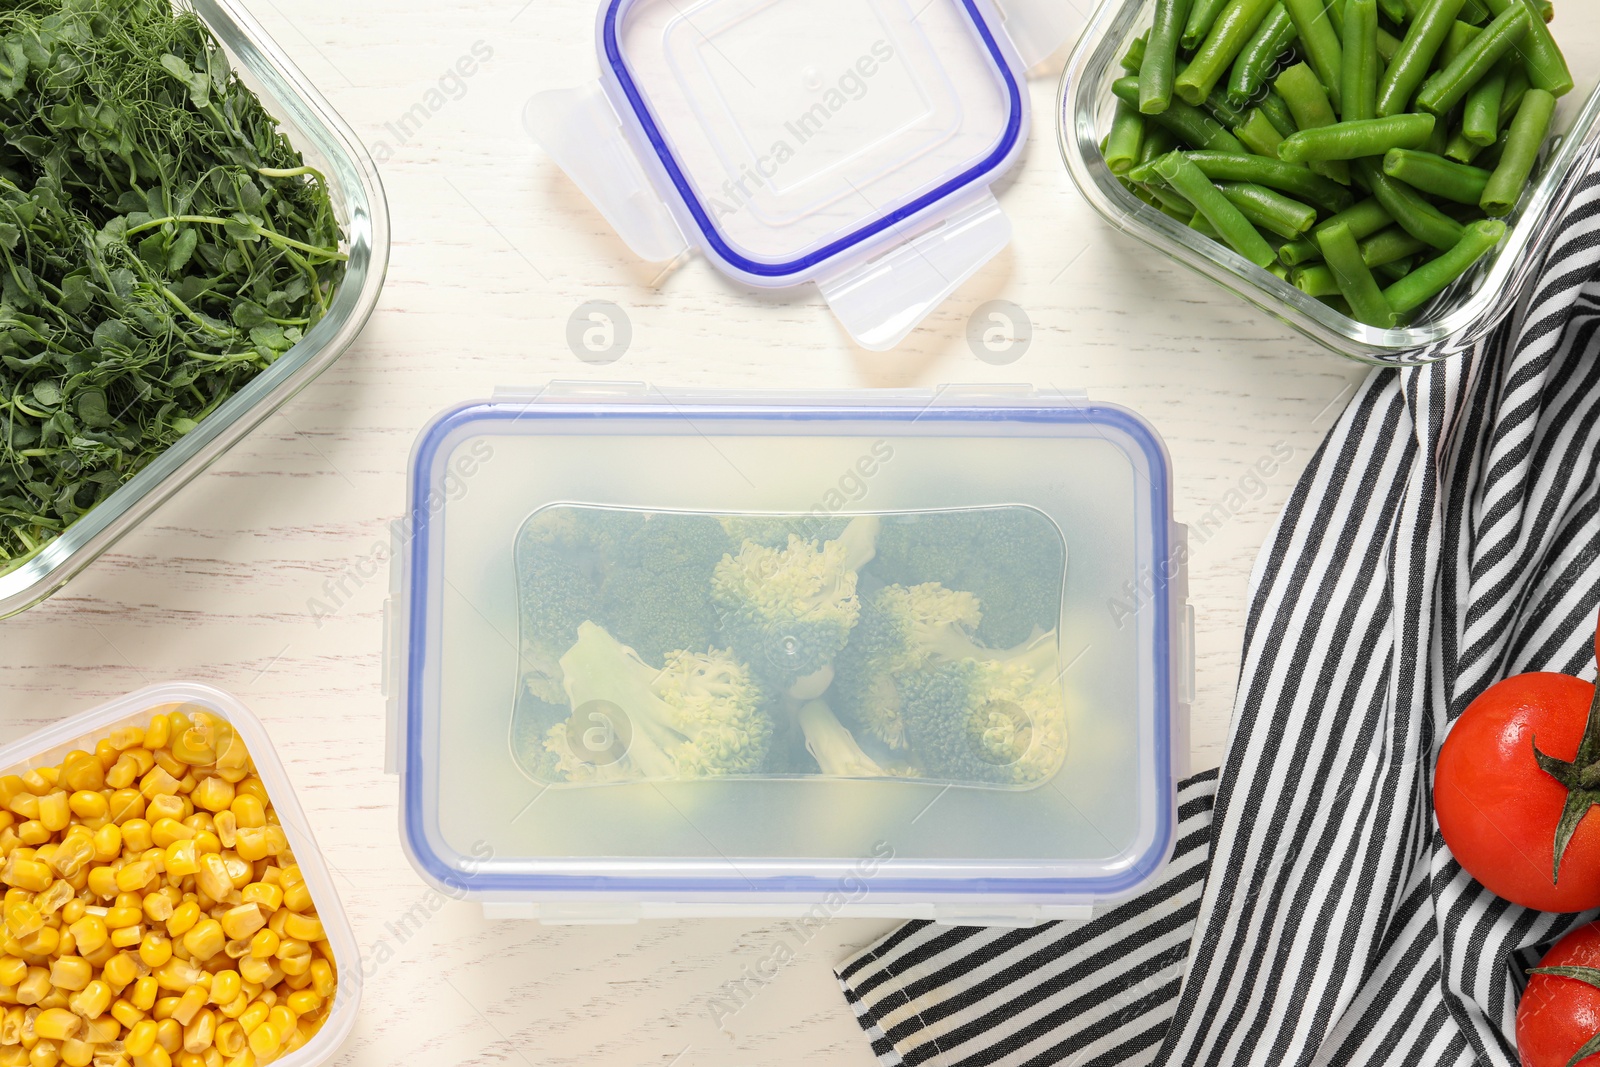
(794, 142)
(478, 819)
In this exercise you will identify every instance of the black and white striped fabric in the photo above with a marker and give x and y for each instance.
(1446, 534)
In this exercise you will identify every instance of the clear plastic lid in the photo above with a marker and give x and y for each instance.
(657, 655)
(795, 141)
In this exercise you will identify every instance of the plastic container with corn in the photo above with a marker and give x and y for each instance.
(154, 909)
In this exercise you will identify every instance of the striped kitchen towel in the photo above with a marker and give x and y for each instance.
(1446, 534)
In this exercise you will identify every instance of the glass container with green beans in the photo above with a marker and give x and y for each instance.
(1380, 174)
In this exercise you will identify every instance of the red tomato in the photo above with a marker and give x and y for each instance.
(1559, 1015)
(1498, 809)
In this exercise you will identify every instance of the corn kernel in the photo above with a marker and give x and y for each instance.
(107, 843)
(144, 993)
(89, 932)
(44, 942)
(127, 936)
(156, 782)
(81, 772)
(190, 1003)
(230, 1038)
(164, 1008)
(297, 898)
(304, 1001)
(243, 921)
(264, 945)
(141, 1038)
(70, 972)
(304, 927)
(184, 916)
(92, 1002)
(235, 1007)
(246, 808)
(53, 899)
(73, 854)
(56, 1024)
(26, 874)
(24, 805)
(125, 804)
(125, 1013)
(12, 970)
(265, 1039)
(122, 773)
(35, 986)
(213, 794)
(100, 1030)
(45, 1053)
(212, 878)
(164, 806)
(253, 1017)
(157, 733)
(135, 876)
(23, 919)
(227, 828)
(117, 918)
(32, 832)
(169, 1035)
(158, 906)
(205, 939)
(124, 737)
(136, 835)
(155, 949)
(200, 1032)
(103, 882)
(178, 975)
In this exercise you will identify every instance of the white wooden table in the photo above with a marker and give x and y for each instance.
(493, 251)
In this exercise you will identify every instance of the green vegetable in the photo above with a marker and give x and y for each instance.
(1357, 139)
(1424, 37)
(1275, 36)
(1289, 178)
(1364, 220)
(1437, 175)
(1480, 117)
(1390, 246)
(1311, 109)
(1354, 279)
(1433, 278)
(1270, 210)
(1013, 559)
(788, 612)
(1202, 15)
(833, 747)
(1126, 139)
(1411, 212)
(1546, 66)
(1359, 90)
(1320, 42)
(701, 715)
(1188, 123)
(161, 243)
(1259, 135)
(1442, 92)
(1528, 131)
(1159, 64)
(1226, 39)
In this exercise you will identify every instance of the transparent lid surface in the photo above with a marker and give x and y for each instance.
(793, 131)
(527, 514)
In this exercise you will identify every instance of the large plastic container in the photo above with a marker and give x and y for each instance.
(851, 145)
(1053, 510)
(51, 745)
(328, 144)
(1465, 312)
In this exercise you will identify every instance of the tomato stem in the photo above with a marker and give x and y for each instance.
(1581, 777)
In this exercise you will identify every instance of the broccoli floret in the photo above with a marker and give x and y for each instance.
(655, 596)
(530, 725)
(702, 715)
(774, 531)
(1012, 558)
(832, 746)
(997, 718)
(901, 629)
(789, 611)
(644, 577)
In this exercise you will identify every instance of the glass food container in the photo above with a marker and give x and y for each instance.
(328, 144)
(1465, 312)
(82, 731)
(931, 653)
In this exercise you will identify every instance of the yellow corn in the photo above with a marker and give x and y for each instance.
(125, 804)
(44, 1054)
(103, 882)
(12, 970)
(127, 936)
(165, 806)
(24, 805)
(124, 737)
(141, 1038)
(253, 1017)
(158, 906)
(125, 1013)
(135, 876)
(26, 874)
(165, 831)
(92, 1001)
(32, 832)
(46, 941)
(144, 993)
(107, 843)
(205, 939)
(81, 772)
(190, 1003)
(246, 808)
(265, 1039)
(118, 917)
(184, 916)
(230, 1038)
(213, 794)
(297, 898)
(136, 835)
(56, 1024)
(70, 972)
(34, 987)
(251, 843)
(55, 811)
(90, 933)
(155, 950)
(73, 854)
(268, 897)
(73, 910)
(227, 828)
(304, 927)
(169, 1035)
(264, 945)
(200, 1033)
(157, 733)
(243, 921)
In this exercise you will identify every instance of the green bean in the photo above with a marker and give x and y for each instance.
(1270, 210)
(1393, 272)
(1547, 67)
(1158, 141)
(1308, 103)
(1354, 278)
(1357, 139)
(1171, 202)
(1133, 58)
(1359, 90)
(1425, 36)
(1437, 175)
(1202, 225)
(1461, 34)
(1126, 139)
(1527, 134)
(1277, 111)
(1412, 213)
(1480, 117)
(1159, 65)
(1298, 182)
(1227, 38)
(1461, 150)
(1319, 41)
(1450, 86)
(1315, 280)
(1517, 86)
(1395, 10)
(1259, 135)
(1474, 11)
(1364, 220)
(1389, 246)
(1202, 16)
(1193, 185)
(1272, 39)
(1431, 279)
(1222, 109)
(1190, 124)
(1279, 271)
(1336, 16)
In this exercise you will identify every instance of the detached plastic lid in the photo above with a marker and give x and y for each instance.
(823, 141)
(659, 655)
